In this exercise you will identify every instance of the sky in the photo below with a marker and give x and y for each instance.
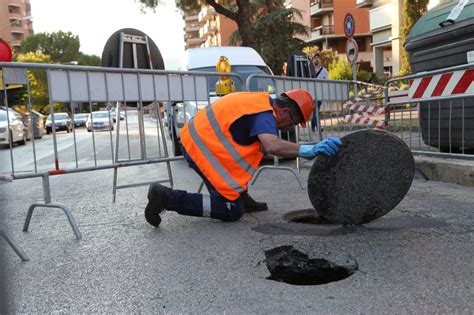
(94, 21)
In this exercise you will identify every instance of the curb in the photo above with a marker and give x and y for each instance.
(445, 170)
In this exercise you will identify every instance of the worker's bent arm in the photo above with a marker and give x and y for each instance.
(276, 146)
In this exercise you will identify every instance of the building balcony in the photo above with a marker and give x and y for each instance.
(14, 4)
(207, 29)
(15, 16)
(190, 18)
(206, 13)
(319, 7)
(193, 41)
(16, 43)
(364, 3)
(17, 30)
(192, 28)
(322, 31)
(381, 17)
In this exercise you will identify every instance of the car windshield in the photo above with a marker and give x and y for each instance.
(100, 115)
(58, 116)
(3, 116)
(80, 116)
(244, 71)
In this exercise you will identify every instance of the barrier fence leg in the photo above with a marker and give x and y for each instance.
(8, 238)
(48, 204)
(282, 168)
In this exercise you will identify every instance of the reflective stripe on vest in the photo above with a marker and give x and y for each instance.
(210, 157)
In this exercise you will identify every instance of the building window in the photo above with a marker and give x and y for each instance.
(362, 44)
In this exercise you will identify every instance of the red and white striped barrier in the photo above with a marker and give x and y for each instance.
(446, 84)
(364, 120)
(364, 108)
(364, 114)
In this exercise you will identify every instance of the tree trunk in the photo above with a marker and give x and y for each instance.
(244, 23)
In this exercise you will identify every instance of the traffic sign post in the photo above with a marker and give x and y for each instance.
(352, 50)
(349, 25)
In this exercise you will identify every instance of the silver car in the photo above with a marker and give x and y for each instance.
(99, 120)
(17, 133)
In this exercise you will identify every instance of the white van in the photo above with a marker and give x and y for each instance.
(244, 62)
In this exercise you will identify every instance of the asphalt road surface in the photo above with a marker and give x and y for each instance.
(416, 259)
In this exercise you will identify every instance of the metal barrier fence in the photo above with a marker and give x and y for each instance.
(76, 89)
(330, 97)
(433, 112)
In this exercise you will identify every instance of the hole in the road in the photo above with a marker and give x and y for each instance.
(308, 216)
(286, 264)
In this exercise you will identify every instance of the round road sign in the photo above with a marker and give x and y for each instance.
(352, 50)
(349, 25)
(5, 51)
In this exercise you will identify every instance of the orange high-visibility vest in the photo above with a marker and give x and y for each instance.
(206, 138)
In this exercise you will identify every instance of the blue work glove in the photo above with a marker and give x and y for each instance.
(328, 146)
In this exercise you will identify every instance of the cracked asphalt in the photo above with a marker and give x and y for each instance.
(416, 259)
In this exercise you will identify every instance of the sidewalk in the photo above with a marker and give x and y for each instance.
(446, 170)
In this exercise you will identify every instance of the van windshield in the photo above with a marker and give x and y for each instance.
(244, 71)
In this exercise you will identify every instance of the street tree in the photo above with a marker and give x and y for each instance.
(274, 30)
(412, 11)
(62, 47)
(267, 26)
(38, 81)
(242, 12)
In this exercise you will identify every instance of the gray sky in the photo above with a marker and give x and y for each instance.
(94, 21)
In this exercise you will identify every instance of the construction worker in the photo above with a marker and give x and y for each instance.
(223, 144)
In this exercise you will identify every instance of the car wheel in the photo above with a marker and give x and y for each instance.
(48, 131)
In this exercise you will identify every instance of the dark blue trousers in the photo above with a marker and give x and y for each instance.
(199, 205)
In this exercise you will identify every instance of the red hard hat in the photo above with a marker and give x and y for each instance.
(305, 102)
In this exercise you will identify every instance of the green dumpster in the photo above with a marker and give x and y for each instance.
(442, 38)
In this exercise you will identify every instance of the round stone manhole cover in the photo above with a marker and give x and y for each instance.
(369, 176)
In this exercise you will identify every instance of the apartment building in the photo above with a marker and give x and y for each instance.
(16, 24)
(327, 28)
(304, 7)
(385, 23)
(206, 28)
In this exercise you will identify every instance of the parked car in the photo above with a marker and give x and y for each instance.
(113, 114)
(244, 61)
(62, 121)
(99, 120)
(17, 132)
(80, 119)
(33, 123)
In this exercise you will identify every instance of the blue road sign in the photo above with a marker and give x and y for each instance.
(349, 25)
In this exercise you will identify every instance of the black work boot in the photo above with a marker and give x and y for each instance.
(158, 196)
(251, 205)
